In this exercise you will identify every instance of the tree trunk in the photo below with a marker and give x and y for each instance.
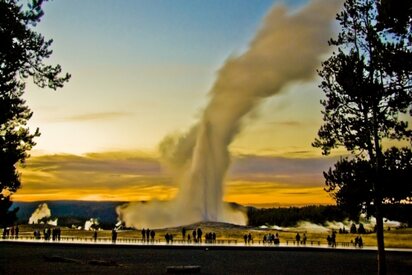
(380, 237)
(378, 196)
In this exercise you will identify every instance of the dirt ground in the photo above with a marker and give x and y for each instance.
(58, 258)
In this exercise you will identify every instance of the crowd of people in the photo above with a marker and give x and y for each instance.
(196, 235)
(271, 239)
(300, 240)
(54, 234)
(358, 242)
(331, 239)
(148, 235)
(11, 232)
(248, 238)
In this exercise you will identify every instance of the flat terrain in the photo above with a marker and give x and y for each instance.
(63, 258)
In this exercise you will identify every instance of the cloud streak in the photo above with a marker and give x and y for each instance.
(102, 116)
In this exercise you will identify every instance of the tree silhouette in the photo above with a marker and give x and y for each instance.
(22, 55)
(367, 83)
(351, 183)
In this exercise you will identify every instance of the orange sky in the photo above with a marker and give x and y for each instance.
(130, 176)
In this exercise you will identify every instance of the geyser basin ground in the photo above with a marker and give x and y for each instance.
(14, 259)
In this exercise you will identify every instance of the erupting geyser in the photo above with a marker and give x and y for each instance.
(286, 49)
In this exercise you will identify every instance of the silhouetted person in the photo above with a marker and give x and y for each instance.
(47, 232)
(152, 235)
(95, 235)
(194, 235)
(276, 240)
(147, 234)
(183, 233)
(297, 238)
(360, 242)
(245, 238)
(167, 238)
(249, 238)
(199, 234)
(143, 234)
(333, 238)
(114, 236)
(304, 239)
(36, 234)
(17, 232)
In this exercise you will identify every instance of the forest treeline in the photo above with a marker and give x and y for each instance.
(319, 214)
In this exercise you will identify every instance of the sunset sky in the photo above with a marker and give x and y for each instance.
(141, 71)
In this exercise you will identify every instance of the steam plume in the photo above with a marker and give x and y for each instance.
(91, 224)
(42, 211)
(305, 226)
(286, 49)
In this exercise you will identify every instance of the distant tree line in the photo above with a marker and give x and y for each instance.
(290, 216)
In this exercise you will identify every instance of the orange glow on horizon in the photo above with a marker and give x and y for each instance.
(272, 197)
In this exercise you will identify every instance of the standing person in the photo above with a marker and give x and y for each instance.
(17, 232)
(304, 239)
(143, 234)
(114, 235)
(360, 242)
(194, 235)
(183, 234)
(152, 235)
(276, 241)
(329, 240)
(199, 235)
(333, 238)
(147, 234)
(95, 235)
(249, 238)
(297, 238)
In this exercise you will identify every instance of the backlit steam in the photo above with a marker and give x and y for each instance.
(305, 226)
(42, 211)
(91, 224)
(286, 49)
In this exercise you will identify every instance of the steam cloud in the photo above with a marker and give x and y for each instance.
(286, 49)
(91, 224)
(305, 226)
(42, 211)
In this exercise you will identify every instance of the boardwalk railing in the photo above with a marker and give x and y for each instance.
(162, 241)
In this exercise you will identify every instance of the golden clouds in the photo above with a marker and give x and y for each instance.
(273, 194)
(133, 176)
(110, 176)
(97, 116)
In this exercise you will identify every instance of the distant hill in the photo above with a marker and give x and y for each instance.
(79, 211)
